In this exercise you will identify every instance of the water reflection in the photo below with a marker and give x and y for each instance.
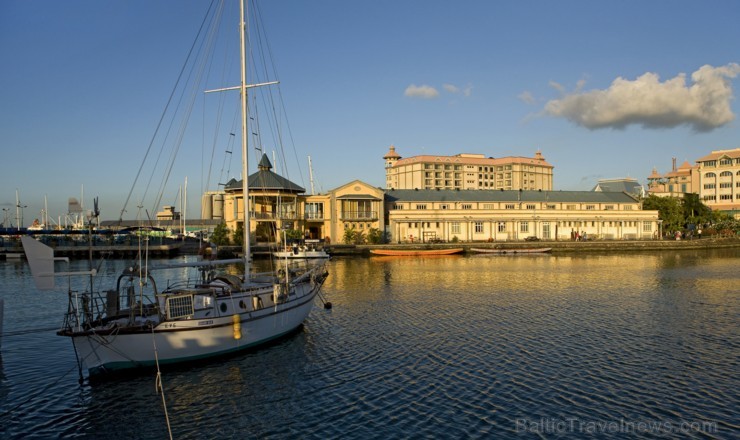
(425, 347)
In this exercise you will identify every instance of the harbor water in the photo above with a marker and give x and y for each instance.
(628, 345)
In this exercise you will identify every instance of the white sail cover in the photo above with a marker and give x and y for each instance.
(41, 259)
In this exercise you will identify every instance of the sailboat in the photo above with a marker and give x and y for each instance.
(134, 324)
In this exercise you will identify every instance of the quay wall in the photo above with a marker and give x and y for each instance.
(557, 246)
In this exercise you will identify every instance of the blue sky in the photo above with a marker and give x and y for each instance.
(603, 89)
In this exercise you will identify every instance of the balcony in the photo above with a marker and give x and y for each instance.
(359, 216)
(269, 215)
(314, 216)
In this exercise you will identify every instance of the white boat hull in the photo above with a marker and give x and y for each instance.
(301, 254)
(189, 340)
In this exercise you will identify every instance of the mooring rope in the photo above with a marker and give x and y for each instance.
(159, 386)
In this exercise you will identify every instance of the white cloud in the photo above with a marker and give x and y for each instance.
(557, 86)
(422, 91)
(451, 88)
(526, 97)
(704, 104)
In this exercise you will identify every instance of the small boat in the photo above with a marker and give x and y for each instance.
(511, 251)
(415, 252)
(301, 252)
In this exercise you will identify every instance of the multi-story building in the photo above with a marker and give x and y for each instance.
(719, 177)
(467, 171)
(275, 203)
(406, 215)
(449, 215)
(675, 183)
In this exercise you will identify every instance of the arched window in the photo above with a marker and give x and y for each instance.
(710, 175)
(725, 174)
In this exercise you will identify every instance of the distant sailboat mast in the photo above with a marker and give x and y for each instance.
(310, 174)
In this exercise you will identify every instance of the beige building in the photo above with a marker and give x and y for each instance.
(715, 178)
(429, 215)
(675, 183)
(355, 205)
(719, 178)
(407, 215)
(275, 203)
(467, 171)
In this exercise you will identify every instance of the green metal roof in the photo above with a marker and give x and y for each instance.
(429, 195)
(264, 179)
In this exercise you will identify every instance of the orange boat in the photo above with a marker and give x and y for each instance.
(415, 252)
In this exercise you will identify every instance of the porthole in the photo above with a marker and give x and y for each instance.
(224, 307)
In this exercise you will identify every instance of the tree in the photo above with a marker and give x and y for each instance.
(353, 236)
(694, 211)
(237, 237)
(220, 235)
(669, 210)
(374, 236)
(293, 234)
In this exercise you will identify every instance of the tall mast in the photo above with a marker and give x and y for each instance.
(184, 209)
(245, 168)
(310, 173)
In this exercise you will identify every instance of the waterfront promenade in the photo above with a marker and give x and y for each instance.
(263, 250)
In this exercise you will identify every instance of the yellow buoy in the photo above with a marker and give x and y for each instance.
(237, 326)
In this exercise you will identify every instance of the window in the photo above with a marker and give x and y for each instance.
(628, 207)
(421, 206)
(509, 206)
(590, 207)
(725, 162)
(609, 208)
(455, 227)
(444, 206)
(478, 227)
(571, 207)
(502, 227)
(397, 206)
(524, 227)
(725, 185)
(466, 206)
(709, 186)
(530, 206)
(647, 226)
(488, 206)
(725, 197)
(315, 211)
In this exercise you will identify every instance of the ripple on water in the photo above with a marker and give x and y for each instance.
(448, 347)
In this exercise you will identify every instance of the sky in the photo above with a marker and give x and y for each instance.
(602, 89)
